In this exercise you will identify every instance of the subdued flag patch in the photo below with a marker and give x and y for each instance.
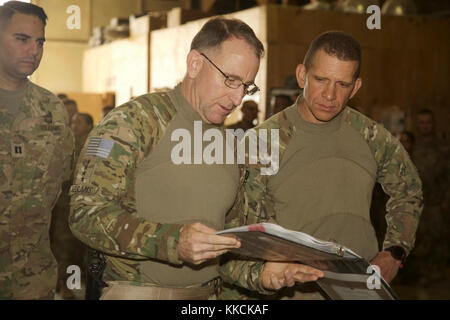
(99, 147)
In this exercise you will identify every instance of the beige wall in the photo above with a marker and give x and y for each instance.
(104, 10)
(94, 13)
(162, 5)
(120, 66)
(57, 17)
(61, 67)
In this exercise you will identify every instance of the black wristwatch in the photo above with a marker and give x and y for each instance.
(397, 252)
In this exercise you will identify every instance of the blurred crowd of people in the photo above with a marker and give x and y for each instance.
(427, 264)
(429, 259)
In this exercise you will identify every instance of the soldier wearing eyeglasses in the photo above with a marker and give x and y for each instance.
(153, 220)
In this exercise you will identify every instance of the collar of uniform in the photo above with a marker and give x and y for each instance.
(15, 93)
(184, 107)
(9, 100)
(318, 128)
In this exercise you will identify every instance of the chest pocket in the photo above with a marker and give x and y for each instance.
(36, 156)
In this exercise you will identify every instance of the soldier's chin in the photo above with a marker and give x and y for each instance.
(216, 119)
(32, 69)
(28, 73)
(325, 116)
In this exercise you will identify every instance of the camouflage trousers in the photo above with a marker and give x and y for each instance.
(305, 291)
(428, 259)
(67, 249)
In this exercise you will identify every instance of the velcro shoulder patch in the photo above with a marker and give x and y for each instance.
(99, 147)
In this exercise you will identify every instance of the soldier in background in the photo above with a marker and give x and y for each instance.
(106, 110)
(282, 101)
(249, 115)
(36, 153)
(407, 139)
(430, 157)
(72, 109)
(330, 158)
(82, 124)
(67, 249)
(62, 96)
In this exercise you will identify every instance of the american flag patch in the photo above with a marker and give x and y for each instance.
(99, 147)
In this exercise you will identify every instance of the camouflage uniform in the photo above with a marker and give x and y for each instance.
(67, 249)
(36, 150)
(391, 167)
(429, 259)
(105, 211)
(241, 125)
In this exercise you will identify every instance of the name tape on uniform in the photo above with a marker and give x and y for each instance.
(99, 147)
(82, 189)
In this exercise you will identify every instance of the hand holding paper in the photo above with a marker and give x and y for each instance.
(276, 275)
(199, 243)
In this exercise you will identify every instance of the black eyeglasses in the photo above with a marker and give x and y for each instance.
(235, 83)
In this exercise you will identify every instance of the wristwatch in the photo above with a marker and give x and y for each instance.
(397, 252)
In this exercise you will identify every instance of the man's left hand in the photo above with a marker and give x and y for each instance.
(387, 264)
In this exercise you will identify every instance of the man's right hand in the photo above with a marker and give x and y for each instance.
(199, 243)
(276, 275)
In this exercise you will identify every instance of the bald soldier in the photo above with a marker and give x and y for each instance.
(330, 158)
(36, 148)
(152, 217)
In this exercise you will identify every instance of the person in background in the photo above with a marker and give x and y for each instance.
(67, 249)
(72, 109)
(407, 139)
(106, 110)
(62, 96)
(249, 115)
(282, 101)
(430, 156)
(82, 124)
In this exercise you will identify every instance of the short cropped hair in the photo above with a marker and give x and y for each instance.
(62, 96)
(337, 44)
(285, 98)
(425, 111)
(410, 135)
(70, 102)
(217, 30)
(249, 103)
(107, 108)
(10, 8)
(87, 118)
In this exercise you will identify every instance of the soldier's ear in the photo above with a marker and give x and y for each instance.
(358, 84)
(300, 74)
(194, 64)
